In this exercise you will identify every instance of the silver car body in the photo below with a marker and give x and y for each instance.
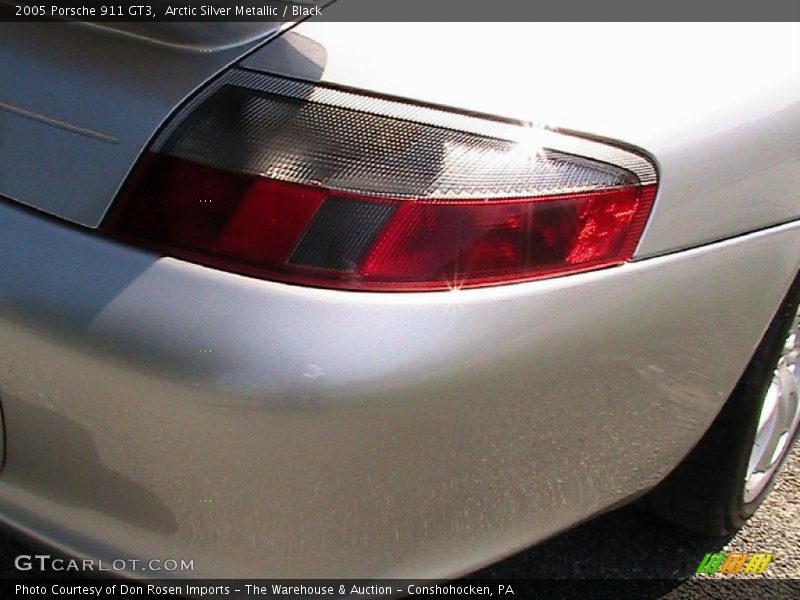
(156, 408)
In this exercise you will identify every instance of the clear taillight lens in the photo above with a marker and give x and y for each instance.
(317, 186)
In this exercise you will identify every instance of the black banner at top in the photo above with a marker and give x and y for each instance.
(396, 10)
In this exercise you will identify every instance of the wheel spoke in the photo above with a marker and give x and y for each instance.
(779, 417)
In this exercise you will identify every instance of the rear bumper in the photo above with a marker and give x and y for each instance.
(157, 409)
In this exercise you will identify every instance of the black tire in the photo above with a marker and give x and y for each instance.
(705, 493)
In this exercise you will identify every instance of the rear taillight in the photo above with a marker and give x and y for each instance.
(303, 184)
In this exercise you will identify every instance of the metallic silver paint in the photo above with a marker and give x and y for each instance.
(79, 104)
(197, 36)
(155, 408)
(264, 429)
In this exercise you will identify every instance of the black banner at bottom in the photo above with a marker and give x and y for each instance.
(314, 589)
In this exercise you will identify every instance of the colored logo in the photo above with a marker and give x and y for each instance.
(731, 563)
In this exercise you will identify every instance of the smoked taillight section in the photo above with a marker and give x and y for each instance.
(303, 184)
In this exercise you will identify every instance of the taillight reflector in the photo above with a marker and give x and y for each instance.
(298, 183)
(314, 236)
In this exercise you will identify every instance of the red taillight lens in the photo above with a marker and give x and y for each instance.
(315, 193)
(438, 245)
(308, 235)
